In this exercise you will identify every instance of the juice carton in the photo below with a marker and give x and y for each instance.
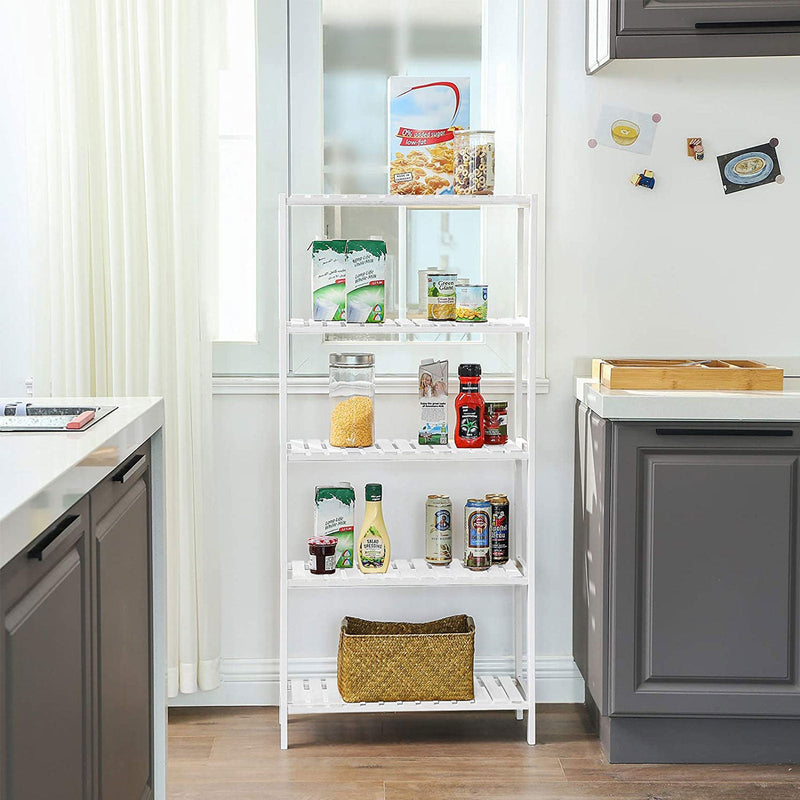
(366, 280)
(334, 515)
(329, 271)
(433, 401)
(423, 113)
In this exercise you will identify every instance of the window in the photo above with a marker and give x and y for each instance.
(236, 288)
(335, 57)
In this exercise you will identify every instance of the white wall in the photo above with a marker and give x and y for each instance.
(15, 345)
(681, 270)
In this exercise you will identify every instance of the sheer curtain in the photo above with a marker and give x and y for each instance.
(122, 137)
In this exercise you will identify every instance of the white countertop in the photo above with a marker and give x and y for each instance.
(43, 473)
(626, 404)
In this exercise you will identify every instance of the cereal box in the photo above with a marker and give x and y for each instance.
(423, 113)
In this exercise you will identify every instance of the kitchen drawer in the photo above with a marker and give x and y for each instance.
(106, 494)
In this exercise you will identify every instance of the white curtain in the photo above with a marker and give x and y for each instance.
(122, 137)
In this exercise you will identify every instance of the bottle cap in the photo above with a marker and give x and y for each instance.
(373, 491)
(469, 370)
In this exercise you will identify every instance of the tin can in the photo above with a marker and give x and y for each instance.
(499, 527)
(472, 303)
(496, 423)
(439, 534)
(477, 519)
(442, 296)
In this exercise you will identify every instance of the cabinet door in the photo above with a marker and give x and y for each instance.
(121, 540)
(708, 16)
(705, 541)
(590, 596)
(46, 665)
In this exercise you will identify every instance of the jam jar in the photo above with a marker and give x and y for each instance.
(322, 555)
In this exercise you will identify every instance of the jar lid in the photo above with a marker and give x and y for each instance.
(373, 492)
(323, 541)
(469, 370)
(351, 359)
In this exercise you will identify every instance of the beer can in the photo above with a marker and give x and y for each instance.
(499, 528)
(477, 518)
(439, 534)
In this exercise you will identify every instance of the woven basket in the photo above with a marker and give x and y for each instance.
(393, 661)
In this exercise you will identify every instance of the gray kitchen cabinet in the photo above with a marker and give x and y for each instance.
(77, 650)
(121, 559)
(689, 534)
(690, 28)
(45, 679)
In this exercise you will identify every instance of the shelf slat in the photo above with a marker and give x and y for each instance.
(321, 696)
(443, 201)
(297, 326)
(317, 450)
(402, 572)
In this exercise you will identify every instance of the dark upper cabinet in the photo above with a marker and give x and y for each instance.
(45, 680)
(689, 28)
(705, 559)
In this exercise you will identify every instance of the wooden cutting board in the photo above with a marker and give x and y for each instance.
(687, 374)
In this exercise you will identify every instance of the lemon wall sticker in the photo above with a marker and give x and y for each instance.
(626, 129)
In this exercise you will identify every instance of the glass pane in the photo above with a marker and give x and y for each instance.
(237, 241)
(236, 307)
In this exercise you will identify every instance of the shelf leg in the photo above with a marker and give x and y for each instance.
(284, 723)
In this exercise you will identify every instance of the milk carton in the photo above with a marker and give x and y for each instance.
(329, 271)
(433, 401)
(334, 515)
(366, 280)
(423, 113)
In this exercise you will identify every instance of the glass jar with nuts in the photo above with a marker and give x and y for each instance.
(473, 162)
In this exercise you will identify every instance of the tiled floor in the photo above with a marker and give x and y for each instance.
(218, 754)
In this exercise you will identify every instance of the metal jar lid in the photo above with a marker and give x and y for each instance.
(351, 360)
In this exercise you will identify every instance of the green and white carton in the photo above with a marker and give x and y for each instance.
(329, 276)
(334, 515)
(366, 280)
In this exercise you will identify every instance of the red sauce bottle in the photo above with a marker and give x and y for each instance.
(469, 407)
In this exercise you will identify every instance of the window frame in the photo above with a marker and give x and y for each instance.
(253, 366)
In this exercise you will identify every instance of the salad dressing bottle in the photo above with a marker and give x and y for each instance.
(373, 550)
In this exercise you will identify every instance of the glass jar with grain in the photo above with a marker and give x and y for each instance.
(473, 162)
(351, 389)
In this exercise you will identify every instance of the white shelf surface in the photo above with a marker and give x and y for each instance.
(414, 572)
(418, 326)
(321, 696)
(405, 449)
(411, 201)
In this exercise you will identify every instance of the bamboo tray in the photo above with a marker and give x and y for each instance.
(687, 374)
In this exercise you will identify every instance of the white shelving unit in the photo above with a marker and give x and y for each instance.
(301, 694)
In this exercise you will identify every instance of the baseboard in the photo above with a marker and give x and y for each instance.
(254, 682)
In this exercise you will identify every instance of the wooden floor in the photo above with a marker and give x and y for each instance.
(234, 753)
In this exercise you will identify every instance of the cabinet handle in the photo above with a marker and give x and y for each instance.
(773, 432)
(131, 470)
(49, 543)
(743, 24)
